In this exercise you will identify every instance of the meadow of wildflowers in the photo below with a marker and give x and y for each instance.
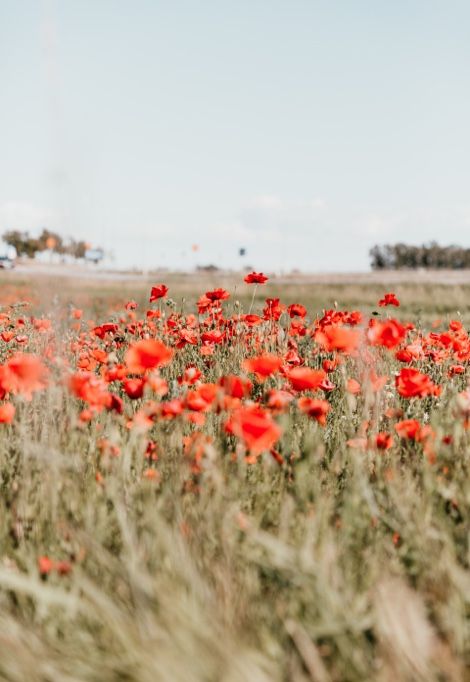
(234, 492)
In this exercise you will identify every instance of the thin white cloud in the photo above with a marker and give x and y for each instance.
(318, 204)
(236, 232)
(270, 213)
(267, 202)
(377, 226)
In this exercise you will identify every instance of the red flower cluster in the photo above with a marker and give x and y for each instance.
(239, 378)
(411, 383)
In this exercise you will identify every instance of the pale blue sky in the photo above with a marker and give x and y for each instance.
(305, 131)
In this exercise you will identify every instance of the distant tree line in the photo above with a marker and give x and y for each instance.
(431, 256)
(26, 245)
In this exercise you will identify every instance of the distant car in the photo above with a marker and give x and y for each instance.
(7, 256)
(6, 263)
(94, 255)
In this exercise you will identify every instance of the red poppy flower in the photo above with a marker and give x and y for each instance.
(190, 376)
(115, 403)
(217, 295)
(42, 324)
(116, 373)
(252, 320)
(255, 427)
(186, 336)
(134, 388)
(297, 310)
(256, 278)
(297, 328)
(203, 304)
(456, 369)
(292, 358)
(279, 400)
(389, 333)
(103, 329)
(7, 413)
(404, 355)
(63, 567)
(263, 365)
(171, 409)
(327, 385)
(23, 374)
(389, 299)
(273, 309)
(338, 338)
(201, 399)
(235, 386)
(91, 389)
(158, 291)
(412, 384)
(408, 428)
(353, 386)
(306, 379)
(147, 354)
(315, 408)
(45, 565)
(383, 440)
(213, 336)
(330, 365)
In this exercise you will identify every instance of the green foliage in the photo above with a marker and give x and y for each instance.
(26, 245)
(430, 256)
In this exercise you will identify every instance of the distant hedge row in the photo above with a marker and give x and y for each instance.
(430, 256)
(26, 245)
